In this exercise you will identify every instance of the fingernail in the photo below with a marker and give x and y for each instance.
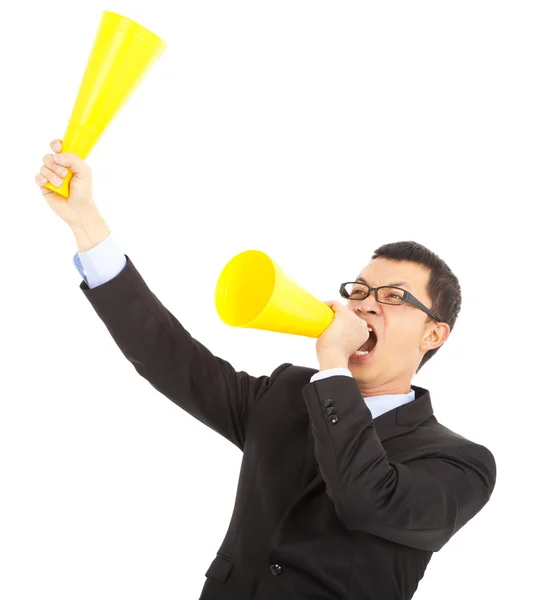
(58, 158)
(63, 172)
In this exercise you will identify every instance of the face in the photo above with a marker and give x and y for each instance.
(404, 333)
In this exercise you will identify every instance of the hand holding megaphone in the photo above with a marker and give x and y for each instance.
(343, 338)
(80, 204)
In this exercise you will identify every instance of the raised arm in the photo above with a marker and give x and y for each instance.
(147, 333)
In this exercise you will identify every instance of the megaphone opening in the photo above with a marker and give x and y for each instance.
(245, 288)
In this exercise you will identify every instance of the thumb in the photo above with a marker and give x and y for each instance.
(73, 162)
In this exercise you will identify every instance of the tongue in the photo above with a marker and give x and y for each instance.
(370, 343)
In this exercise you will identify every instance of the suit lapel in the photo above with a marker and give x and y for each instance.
(406, 417)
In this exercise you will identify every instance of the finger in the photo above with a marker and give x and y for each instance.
(72, 161)
(56, 145)
(52, 177)
(40, 179)
(334, 305)
(49, 162)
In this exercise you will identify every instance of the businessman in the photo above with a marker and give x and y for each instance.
(348, 482)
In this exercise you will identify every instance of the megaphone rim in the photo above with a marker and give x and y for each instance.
(219, 289)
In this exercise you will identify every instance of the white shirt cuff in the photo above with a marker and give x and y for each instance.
(330, 373)
(103, 262)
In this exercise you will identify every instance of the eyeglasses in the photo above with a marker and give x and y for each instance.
(355, 290)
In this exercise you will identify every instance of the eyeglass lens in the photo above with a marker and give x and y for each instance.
(387, 295)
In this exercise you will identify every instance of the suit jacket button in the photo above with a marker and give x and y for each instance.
(333, 419)
(330, 410)
(328, 402)
(276, 569)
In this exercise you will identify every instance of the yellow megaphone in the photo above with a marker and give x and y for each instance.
(253, 292)
(121, 55)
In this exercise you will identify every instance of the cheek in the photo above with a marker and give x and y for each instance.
(401, 340)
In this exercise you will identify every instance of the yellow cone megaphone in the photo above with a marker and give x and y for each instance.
(253, 292)
(121, 55)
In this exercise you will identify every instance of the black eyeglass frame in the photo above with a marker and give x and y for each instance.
(408, 297)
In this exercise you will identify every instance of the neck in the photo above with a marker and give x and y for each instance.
(368, 389)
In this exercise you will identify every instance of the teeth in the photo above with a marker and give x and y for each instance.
(370, 329)
(362, 352)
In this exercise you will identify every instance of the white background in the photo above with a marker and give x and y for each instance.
(314, 131)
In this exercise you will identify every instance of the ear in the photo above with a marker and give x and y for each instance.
(436, 337)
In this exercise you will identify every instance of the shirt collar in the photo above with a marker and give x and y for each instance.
(379, 405)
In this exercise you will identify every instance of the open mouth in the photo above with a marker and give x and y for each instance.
(369, 346)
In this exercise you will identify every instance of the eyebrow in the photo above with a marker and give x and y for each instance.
(362, 280)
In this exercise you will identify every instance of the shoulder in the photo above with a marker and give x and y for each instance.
(463, 452)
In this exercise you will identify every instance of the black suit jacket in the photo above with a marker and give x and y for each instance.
(331, 505)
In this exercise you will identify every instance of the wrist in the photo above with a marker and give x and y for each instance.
(89, 230)
(332, 360)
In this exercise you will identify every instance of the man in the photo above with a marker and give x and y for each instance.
(348, 482)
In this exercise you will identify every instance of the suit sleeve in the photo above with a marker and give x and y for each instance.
(420, 504)
(165, 354)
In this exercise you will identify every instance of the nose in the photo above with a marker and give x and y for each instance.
(367, 306)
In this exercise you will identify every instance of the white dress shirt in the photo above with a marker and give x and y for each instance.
(105, 261)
